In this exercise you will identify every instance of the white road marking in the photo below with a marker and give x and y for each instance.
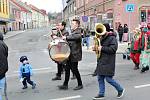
(35, 73)
(40, 50)
(39, 69)
(142, 86)
(67, 98)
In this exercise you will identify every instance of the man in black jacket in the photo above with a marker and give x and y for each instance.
(74, 40)
(106, 64)
(3, 67)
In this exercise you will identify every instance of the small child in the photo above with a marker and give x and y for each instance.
(25, 72)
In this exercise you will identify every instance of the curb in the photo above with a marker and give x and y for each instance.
(7, 37)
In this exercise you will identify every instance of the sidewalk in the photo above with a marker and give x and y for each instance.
(12, 33)
(121, 46)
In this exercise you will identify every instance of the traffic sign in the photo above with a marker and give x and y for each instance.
(130, 7)
(85, 18)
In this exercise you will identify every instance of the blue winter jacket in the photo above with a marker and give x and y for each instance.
(25, 69)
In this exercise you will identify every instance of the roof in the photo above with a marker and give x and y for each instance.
(19, 5)
(34, 8)
(42, 11)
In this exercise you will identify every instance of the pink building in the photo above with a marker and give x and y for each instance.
(15, 16)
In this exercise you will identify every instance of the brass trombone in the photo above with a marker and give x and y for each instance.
(100, 30)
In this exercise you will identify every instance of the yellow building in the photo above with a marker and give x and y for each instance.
(4, 14)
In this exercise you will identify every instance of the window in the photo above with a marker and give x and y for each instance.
(110, 15)
(0, 6)
(3, 6)
(82, 2)
(143, 16)
(6, 7)
(71, 8)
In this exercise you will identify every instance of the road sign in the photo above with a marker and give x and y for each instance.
(130, 7)
(85, 18)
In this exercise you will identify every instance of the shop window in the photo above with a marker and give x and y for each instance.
(143, 16)
(110, 15)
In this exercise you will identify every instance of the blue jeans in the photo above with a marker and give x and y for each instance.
(110, 80)
(87, 41)
(83, 41)
(3, 86)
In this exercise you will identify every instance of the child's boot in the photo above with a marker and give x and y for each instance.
(33, 86)
(25, 87)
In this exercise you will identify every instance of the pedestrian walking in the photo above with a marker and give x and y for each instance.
(3, 68)
(4, 30)
(83, 36)
(74, 40)
(25, 72)
(87, 37)
(106, 64)
(120, 32)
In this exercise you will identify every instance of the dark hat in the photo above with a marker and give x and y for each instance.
(22, 58)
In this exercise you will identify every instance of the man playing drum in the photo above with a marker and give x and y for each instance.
(61, 31)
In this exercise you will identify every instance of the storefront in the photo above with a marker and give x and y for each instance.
(3, 25)
(145, 14)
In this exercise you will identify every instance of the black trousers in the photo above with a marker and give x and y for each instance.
(27, 79)
(59, 69)
(120, 37)
(73, 66)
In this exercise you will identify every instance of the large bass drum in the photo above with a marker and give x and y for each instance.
(59, 50)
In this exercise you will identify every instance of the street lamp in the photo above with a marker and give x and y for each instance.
(84, 7)
(63, 9)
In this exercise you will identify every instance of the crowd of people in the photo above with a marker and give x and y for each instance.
(140, 47)
(105, 69)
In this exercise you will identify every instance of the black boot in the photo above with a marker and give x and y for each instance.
(33, 86)
(25, 87)
(136, 66)
(145, 69)
(56, 78)
(63, 87)
(124, 56)
(128, 57)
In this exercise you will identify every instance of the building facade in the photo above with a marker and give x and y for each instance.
(15, 17)
(69, 11)
(4, 15)
(113, 12)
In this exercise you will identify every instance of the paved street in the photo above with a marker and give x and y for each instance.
(33, 43)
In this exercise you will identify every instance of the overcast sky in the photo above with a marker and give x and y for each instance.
(48, 5)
